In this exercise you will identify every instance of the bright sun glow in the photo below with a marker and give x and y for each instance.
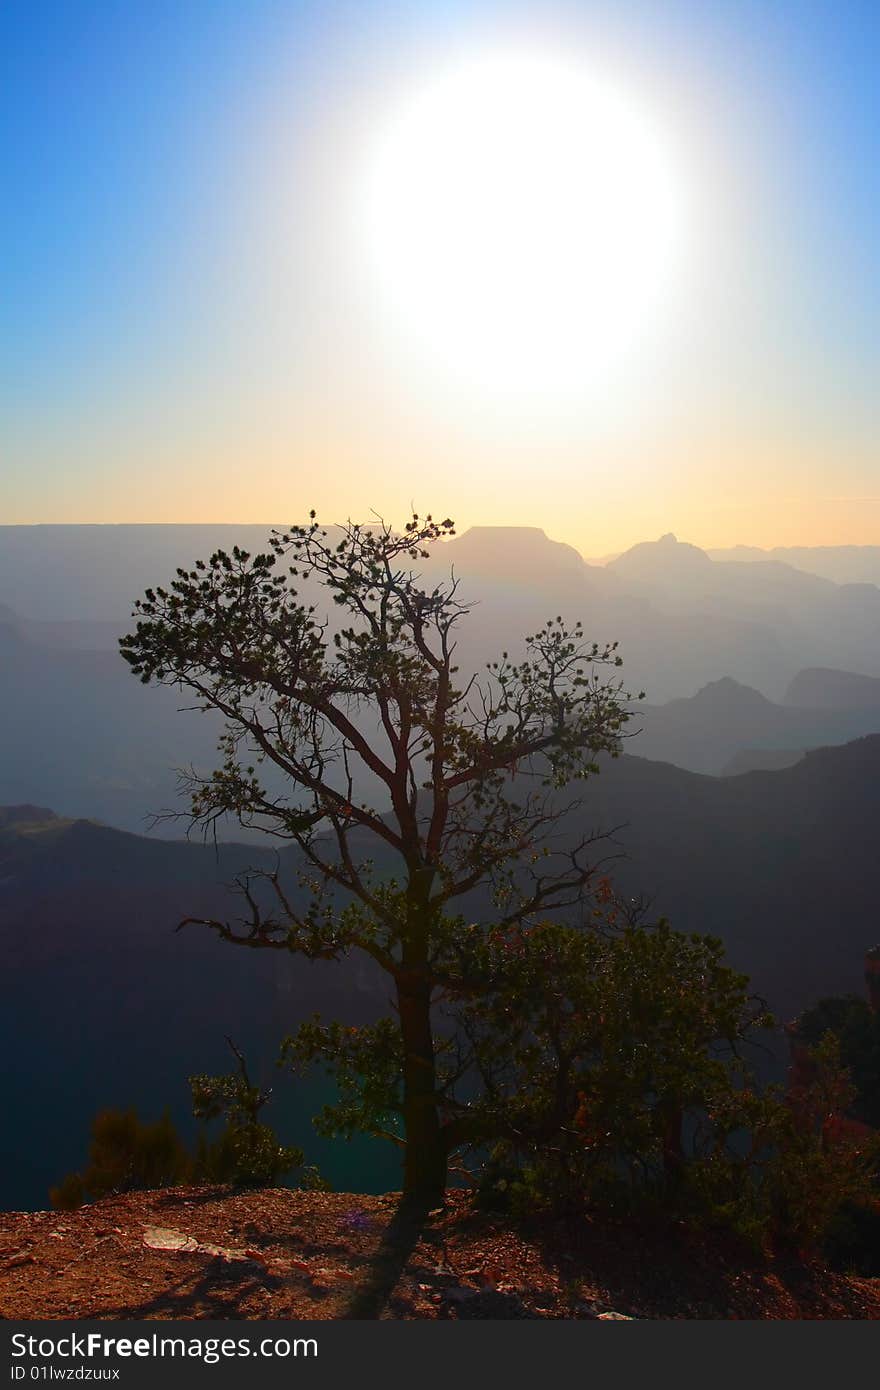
(524, 223)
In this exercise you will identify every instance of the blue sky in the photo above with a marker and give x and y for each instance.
(131, 131)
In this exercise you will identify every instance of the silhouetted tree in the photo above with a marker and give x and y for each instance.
(467, 773)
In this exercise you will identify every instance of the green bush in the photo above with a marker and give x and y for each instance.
(598, 1051)
(821, 1164)
(125, 1155)
(247, 1152)
(614, 1078)
(857, 1028)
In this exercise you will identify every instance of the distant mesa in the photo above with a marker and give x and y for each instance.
(664, 556)
(820, 687)
(728, 693)
(509, 550)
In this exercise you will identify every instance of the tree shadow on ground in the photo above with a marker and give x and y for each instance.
(216, 1291)
(667, 1269)
(405, 1230)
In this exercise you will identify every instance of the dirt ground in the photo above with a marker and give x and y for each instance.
(211, 1253)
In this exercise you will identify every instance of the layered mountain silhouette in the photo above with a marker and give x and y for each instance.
(675, 574)
(844, 564)
(77, 732)
(821, 688)
(761, 760)
(713, 730)
(748, 661)
(77, 584)
(107, 1004)
(80, 734)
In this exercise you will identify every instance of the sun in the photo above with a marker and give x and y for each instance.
(523, 223)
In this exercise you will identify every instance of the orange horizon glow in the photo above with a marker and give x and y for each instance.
(240, 362)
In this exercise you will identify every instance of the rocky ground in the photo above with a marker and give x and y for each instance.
(211, 1253)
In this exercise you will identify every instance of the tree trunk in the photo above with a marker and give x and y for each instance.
(425, 1161)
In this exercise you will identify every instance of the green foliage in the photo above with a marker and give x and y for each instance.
(246, 1153)
(857, 1027)
(600, 1051)
(614, 1076)
(366, 1064)
(250, 1156)
(125, 1155)
(823, 1162)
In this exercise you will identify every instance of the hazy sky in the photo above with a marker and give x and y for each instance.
(212, 309)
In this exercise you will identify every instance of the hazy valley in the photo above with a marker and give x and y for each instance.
(778, 863)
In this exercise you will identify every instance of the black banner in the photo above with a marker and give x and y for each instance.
(171, 1354)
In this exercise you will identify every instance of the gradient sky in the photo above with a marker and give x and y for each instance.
(184, 337)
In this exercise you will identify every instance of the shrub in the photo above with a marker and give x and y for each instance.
(247, 1152)
(824, 1162)
(598, 1052)
(614, 1076)
(857, 1028)
(125, 1155)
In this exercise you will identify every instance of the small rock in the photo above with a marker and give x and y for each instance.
(166, 1238)
(23, 1258)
